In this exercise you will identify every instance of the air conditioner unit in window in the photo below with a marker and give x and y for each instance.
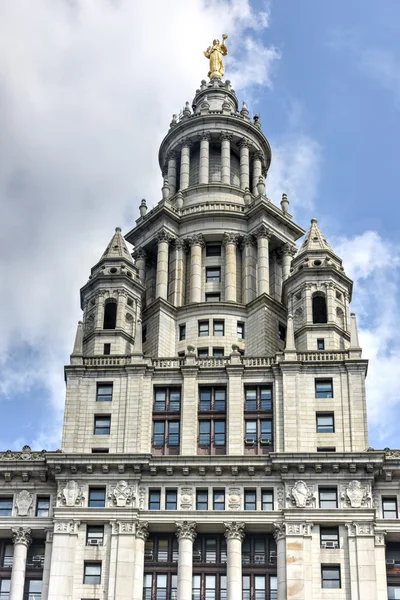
(390, 562)
(95, 542)
(259, 560)
(38, 559)
(330, 544)
(249, 441)
(265, 442)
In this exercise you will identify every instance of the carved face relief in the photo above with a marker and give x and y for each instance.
(23, 502)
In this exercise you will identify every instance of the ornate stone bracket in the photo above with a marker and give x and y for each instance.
(22, 535)
(142, 531)
(186, 530)
(234, 530)
(360, 529)
(67, 526)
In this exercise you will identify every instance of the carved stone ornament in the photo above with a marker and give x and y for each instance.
(263, 232)
(126, 526)
(360, 529)
(65, 526)
(142, 496)
(278, 531)
(122, 494)
(299, 529)
(301, 495)
(22, 535)
(163, 236)
(186, 498)
(196, 240)
(234, 498)
(230, 238)
(26, 454)
(356, 495)
(280, 497)
(234, 530)
(186, 530)
(392, 453)
(141, 530)
(71, 494)
(23, 503)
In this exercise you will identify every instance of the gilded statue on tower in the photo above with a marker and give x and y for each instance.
(215, 54)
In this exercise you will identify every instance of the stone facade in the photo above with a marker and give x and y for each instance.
(215, 433)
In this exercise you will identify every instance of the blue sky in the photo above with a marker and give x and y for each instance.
(87, 91)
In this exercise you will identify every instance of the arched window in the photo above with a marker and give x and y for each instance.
(340, 318)
(319, 312)
(110, 315)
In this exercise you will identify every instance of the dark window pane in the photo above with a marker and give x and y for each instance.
(203, 328)
(97, 497)
(328, 497)
(219, 499)
(219, 399)
(154, 499)
(102, 425)
(202, 500)
(160, 399)
(213, 274)
(43, 506)
(213, 297)
(323, 388)
(110, 315)
(240, 330)
(175, 400)
(173, 433)
(321, 344)
(251, 399)
(250, 500)
(319, 311)
(205, 399)
(219, 328)
(92, 573)
(182, 332)
(266, 398)
(325, 423)
(267, 500)
(218, 352)
(159, 433)
(104, 392)
(6, 506)
(389, 508)
(205, 433)
(219, 433)
(213, 250)
(171, 500)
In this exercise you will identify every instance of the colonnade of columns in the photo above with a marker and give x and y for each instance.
(255, 265)
(226, 139)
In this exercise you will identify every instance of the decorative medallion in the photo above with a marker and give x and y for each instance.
(234, 498)
(301, 495)
(356, 495)
(186, 498)
(23, 503)
(71, 494)
(122, 494)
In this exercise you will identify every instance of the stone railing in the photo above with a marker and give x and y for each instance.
(322, 356)
(213, 361)
(258, 361)
(106, 361)
(206, 206)
(168, 363)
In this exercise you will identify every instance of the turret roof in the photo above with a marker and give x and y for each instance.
(314, 240)
(117, 247)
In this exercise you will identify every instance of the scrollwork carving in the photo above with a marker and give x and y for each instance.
(25, 454)
(230, 238)
(142, 531)
(186, 498)
(263, 232)
(186, 530)
(71, 494)
(22, 535)
(234, 498)
(234, 530)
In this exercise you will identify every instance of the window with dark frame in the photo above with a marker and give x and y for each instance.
(218, 499)
(282, 332)
(160, 586)
(259, 587)
(167, 399)
(166, 434)
(258, 398)
(213, 250)
(161, 548)
(321, 344)
(182, 332)
(42, 506)
(94, 535)
(110, 315)
(202, 499)
(154, 499)
(212, 399)
(97, 497)
(6, 554)
(5, 587)
(203, 352)
(212, 424)
(213, 274)
(107, 349)
(6, 505)
(330, 576)
(166, 422)
(218, 352)
(171, 499)
(328, 497)
(144, 334)
(325, 422)
(323, 388)
(267, 499)
(102, 424)
(213, 297)
(218, 327)
(326, 449)
(104, 392)
(389, 507)
(240, 330)
(319, 311)
(100, 450)
(204, 328)
(92, 573)
(250, 500)
(329, 537)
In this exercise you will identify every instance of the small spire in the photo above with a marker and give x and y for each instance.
(290, 345)
(117, 247)
(285, 203)
(245, 111)
(314, 240)
(355, 348)
(78, 345)
(143, 208)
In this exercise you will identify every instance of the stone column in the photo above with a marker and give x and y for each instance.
(380, 562)
(308, 296)
(288, 252)
(140, 261)
(121, 308)
(234, 533)
(279, 532)
(299, 561)
(47, 562)
(249, 277)
(100, 309)
(112, 573)
(22, 540)
(142, 534)
(257, 171)
(230, 241)
(204, 157)
(179, 273)
(226, 139)
(125, 575)
(196, 245)
(186, 534)
(330, 302)
(63, 560)
(171, 158)
(163, 239)
(361, 539)
(185, 164)
(244, 164)
(263, 236)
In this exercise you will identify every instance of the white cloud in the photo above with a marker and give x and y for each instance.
(87, 91)
(373, 263)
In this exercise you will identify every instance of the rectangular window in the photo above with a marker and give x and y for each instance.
(97, 497)
(323, 388)
(329, 537)
(171, 500)
(213, 297)
(201, 499)
(328, 497)
(219, 433)
(203, 328)
(154, 499)
(104, 392)
(167, 399)
(213, 274)
(267, 499)
(92, 573)
(282, 332)
(389, 507)
(6, 504)
(218, 327)
(326, 449)
(393, 592)
(213, 250)
(240, 330)
(107, 349)
(173, 433)
(219, 499)
(330, 576)
(212, 399)
(182, 332)
(266, 431)
(159, 433)
(144, 334)
(202, 352)
(205, 433)
(258, 398)
(5, 586)
(42, 506)
(94, 535)
(100, 450)
(321, 344)
(250, 500)
(102, 424)
(218, 352)
(251, 432)
(325, 423)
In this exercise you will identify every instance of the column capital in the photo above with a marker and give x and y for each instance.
(186, 530)
(230, 238)
(248, 240)
(179, 244)
(258, 156)
(244, 143)
(142, 531)
(196, 240)
(163, 236)
(234, 530)
(357, 529)
(263, 232)
(278, 531)
(22, 535)
(205, 136)
(172, 155)
(225, 136)
(186, 143)
(139, 254)
(288, 249)
(101, 294)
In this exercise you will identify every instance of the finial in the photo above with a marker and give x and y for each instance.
(165, 189)
(245, 111)
(186, 110)
(179, 200)
(354, 349)
(203, 84)
(261, 186)
(215, 54)
(285, 203)
(174, 121)
(143, 208)
(314, 221)
(247, 196)
(256, 121)
(118, 230)
(290, 345)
